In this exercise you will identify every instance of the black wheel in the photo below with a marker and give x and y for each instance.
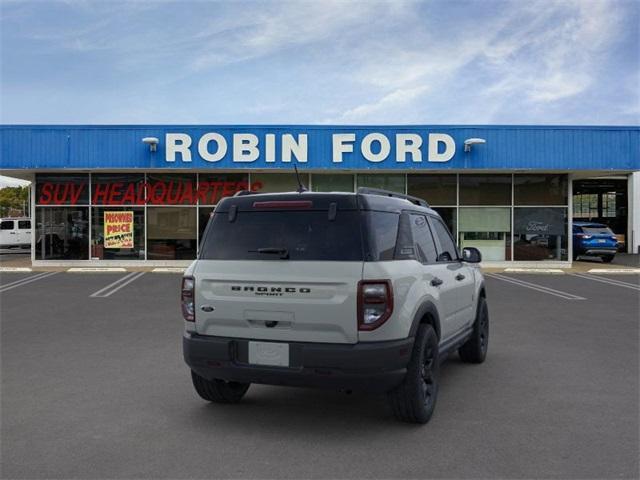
(607, 258)
(219, 391)
(415, 398)
(474, 350)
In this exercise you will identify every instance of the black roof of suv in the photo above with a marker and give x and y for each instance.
(363, 199)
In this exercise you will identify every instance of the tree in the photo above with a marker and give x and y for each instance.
(14, 201)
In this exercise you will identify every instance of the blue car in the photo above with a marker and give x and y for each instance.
(594, 239)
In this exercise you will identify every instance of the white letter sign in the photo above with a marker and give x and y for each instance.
(434, 143)
(203, 147)
(178, 143)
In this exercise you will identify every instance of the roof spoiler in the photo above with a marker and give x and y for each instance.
(387, 193)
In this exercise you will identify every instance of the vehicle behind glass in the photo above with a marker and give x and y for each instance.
(594, 239)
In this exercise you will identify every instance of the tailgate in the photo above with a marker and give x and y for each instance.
(311, 301)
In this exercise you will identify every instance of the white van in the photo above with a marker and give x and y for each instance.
(15, 232)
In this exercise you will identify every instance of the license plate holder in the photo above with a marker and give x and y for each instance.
(602, 241)
(269, 353)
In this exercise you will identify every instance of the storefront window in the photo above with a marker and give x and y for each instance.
(540, 189)
(214, 187)
(171, 189)
(449, 217)
(63, 189)
(393, 183)
(204, 214)
(277, 182)
(485, 189)
(487, 229)
(540, 233)
(117, 189)
(123, 229)
(435, 189)
(171, 233)
(62, 233)
(332, 183)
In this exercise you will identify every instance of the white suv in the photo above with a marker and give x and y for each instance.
(353, 291)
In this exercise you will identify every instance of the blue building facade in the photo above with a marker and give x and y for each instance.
(511, 191)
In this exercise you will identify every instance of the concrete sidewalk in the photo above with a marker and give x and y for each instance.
(18, 258)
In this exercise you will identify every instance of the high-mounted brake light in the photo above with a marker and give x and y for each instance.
(187, 300)
(375, 303)
(284, 204)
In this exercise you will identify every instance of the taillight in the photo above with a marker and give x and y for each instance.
(375, 303)
(186, 298)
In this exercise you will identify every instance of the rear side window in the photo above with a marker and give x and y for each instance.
(382, 228)
(422, 239)
(447, 248)
(24, 224)
(291, 235)
(597, 230)
(6, 225)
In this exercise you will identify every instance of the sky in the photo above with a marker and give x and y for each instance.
(320, 62)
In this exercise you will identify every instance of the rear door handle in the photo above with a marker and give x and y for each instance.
(436, 282)
(460, 277)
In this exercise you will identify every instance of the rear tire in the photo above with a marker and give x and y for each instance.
(219, 391)
(474, 350)
(607, 258)
(414, 400)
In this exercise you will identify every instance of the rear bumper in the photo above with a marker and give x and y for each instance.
(373, 367)
(599, 251)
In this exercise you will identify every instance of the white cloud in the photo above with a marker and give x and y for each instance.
(387, 105)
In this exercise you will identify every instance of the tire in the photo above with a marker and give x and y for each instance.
(608, 258)
(474, 350)
(414, 400)
(219, 391)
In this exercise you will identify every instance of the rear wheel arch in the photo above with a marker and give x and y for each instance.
(426, 314)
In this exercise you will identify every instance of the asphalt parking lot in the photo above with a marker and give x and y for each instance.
(94, 386)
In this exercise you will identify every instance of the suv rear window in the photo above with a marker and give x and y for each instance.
(597, 230)
(275, 235)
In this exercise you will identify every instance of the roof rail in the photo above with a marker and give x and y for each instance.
(387, 193)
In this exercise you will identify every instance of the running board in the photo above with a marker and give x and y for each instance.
(454, 343)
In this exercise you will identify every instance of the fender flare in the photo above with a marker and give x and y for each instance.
(426, 308)
(482, 291)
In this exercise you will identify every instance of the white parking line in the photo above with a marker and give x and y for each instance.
(96, 269)
(117, 285)
(535, 286)
(169, 270)
(614, 270)
(609, 281)
(24, 281)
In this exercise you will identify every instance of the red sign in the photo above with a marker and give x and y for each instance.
(155, 193)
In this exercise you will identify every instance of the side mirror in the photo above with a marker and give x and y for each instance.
(471, 255)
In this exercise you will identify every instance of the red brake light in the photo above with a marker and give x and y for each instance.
(284, 204)
(187, 299)
(375, 303)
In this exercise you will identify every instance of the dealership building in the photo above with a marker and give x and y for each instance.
(142, 194)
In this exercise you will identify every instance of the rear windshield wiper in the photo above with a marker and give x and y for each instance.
(283, 252)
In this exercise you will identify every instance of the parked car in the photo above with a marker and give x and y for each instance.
(594, 239)
(352, 291)
(15, 232)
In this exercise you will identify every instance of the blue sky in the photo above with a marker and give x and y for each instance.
(321, 62)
